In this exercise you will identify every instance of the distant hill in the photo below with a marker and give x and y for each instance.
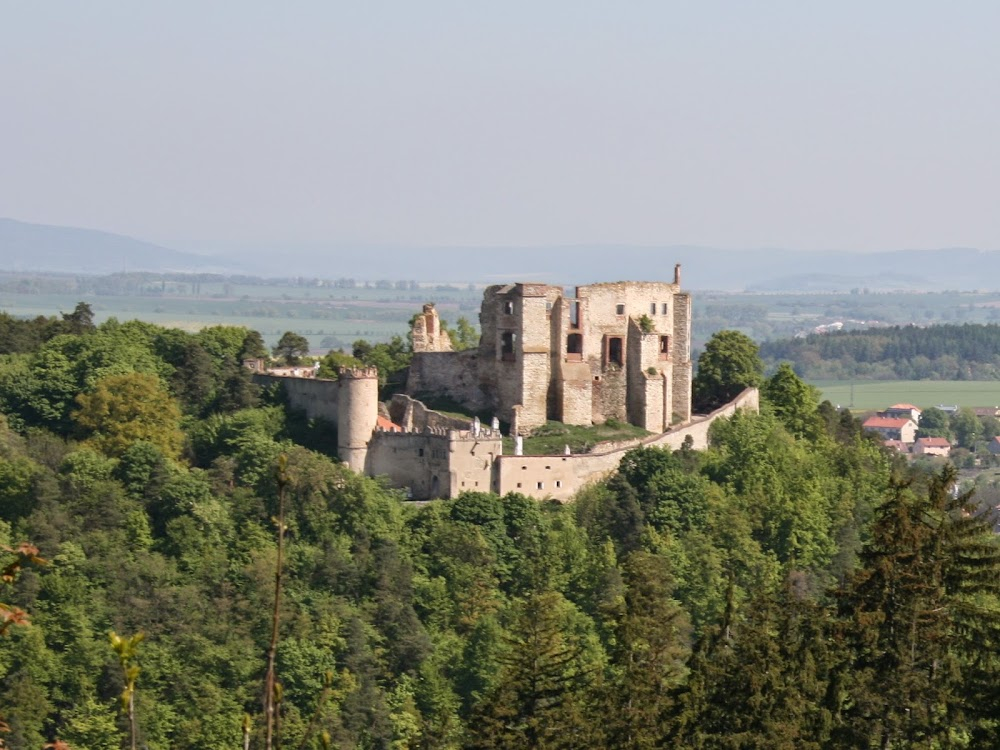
(40, 247)
(36, 247)
(760, 270)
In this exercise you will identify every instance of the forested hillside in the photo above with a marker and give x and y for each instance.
(791, 587)
(943, 352)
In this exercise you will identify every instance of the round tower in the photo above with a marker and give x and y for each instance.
(357, 414)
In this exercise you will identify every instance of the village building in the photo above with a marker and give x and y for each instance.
(893, 428)
(902, 411)
(932, 446)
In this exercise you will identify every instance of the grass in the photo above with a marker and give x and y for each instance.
(865, 395)
(553, 437)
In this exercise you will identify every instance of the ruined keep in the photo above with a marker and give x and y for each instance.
(608, 351)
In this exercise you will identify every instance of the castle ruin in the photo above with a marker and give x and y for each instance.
(608, 351)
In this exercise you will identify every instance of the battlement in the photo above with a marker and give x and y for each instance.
(357, 373)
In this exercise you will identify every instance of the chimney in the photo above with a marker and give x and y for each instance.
(677, 274)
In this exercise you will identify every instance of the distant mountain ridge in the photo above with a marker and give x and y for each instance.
(42, 247)
(37, 247)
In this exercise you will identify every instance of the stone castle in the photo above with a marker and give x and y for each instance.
(610, 351)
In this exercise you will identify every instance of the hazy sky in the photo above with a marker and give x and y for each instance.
(848, 125)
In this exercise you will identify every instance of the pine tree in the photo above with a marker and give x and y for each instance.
(922, 621)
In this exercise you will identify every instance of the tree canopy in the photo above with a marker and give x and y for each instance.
(728, 365)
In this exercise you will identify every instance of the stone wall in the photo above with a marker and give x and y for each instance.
(453, 375)
(317, 397)
(427, 334)
(435, 463)
(413, 415)
(560, 477)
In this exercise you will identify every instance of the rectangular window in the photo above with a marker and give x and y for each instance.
(664, 347)
(507, 341)
(558, 484)
(420, 452)
(663, 308)
(652, 308)
(540, 485)
(619, 309)
(615, 351)
(508, 308)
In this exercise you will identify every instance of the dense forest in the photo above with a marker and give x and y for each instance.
(794, 586)
(940, 352)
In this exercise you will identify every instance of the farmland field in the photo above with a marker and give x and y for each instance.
(878, 394)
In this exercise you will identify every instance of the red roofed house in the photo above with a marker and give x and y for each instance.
(891, 428)
(932, 446)
(902, 411)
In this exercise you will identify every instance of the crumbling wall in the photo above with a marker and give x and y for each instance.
(448, 375)
(427, 334)
(411, 414)
(317, 397)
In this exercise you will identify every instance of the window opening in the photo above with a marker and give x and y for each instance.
(663, 308)
(615, 350)
(574, 314)
(664, 347)
(507, 340)
(574, 346)
(652, 308)
(619, 309)
(508, 307)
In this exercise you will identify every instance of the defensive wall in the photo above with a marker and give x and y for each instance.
(560, 476)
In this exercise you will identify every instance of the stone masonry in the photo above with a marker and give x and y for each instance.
(605, 351)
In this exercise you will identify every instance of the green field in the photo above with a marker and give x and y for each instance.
(866, 395)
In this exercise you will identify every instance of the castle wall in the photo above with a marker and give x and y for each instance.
(561, 477)
(453, 375)
(413, 415)
(427, 333)
(317, 397)
(435, 463)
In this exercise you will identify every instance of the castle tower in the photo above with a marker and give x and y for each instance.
(357, 414)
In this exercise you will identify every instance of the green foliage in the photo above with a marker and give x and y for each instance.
(329, 366)
(776, 590)
(793, 400)
(124, 409)
(728, 365)
(464, 335)
(291, 347)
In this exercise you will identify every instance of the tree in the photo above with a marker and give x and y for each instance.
(921, 617)
(123, 409)
(291, 347)
(81, 320)
(541, 697)
(729, 365)
(793, 400)
(933, 423)
(465, 335)
(967, 428)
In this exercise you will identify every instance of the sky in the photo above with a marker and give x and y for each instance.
(804, 125)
